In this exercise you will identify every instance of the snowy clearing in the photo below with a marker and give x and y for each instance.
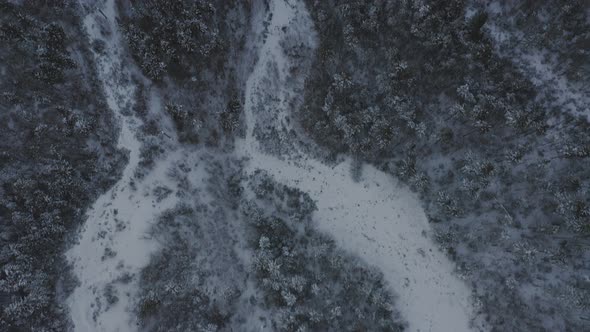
(376, 217)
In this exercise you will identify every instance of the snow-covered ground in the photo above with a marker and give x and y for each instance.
(376, 217)
(114, 244)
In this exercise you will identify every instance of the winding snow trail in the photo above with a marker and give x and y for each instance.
(114, 243)
(376, 218)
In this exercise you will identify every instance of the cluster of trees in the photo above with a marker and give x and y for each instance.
(57, 153)
(190, 49)
(416, 88)
(174, 37)
(308, 284)
(561, 31)
(250, 257)
(151, 131)
(188, 285)
(197, 280)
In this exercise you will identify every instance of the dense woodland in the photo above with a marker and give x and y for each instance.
(296, 279)
(190, 50)
(418, 89)
(57, 153)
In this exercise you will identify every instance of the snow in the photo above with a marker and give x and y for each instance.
(376, 217)
(120, 219)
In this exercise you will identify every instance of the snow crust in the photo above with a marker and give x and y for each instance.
(376, 217)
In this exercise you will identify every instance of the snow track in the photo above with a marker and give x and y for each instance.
(376, 217)
(114, 244)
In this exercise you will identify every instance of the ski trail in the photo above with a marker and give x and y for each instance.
(376, 218)
(113, 245)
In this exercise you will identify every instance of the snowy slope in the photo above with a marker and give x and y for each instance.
(376, 218)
